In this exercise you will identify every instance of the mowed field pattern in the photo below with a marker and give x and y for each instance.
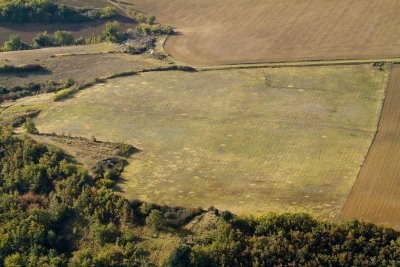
(244, 31)
(375, 196)
(250, 141)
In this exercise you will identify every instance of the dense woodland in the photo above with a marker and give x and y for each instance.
(53, 213)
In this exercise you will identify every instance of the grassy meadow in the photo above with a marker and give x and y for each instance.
(251, 141)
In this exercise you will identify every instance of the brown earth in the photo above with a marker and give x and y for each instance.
(82, 63)
(239, 31)
(375, 196)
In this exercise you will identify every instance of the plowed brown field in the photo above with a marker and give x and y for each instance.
(238, 31)
(375, 196)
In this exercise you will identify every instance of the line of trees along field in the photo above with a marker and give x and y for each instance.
(22, 11)
(52, 213)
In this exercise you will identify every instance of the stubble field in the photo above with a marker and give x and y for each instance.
(375, 196)
(250, 141)
(239, 31)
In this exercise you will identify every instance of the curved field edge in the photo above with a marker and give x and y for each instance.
(310, 128)
(242, 31)
(375, 196)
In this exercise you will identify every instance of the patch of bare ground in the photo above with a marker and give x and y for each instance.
(375, 196)
(85, 151)
(82, 63)
(241, 31)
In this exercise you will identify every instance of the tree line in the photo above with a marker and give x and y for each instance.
(23, 11)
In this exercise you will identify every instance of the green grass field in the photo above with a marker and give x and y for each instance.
(251, 141)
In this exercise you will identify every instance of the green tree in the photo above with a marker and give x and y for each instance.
(62, 38)
(112, 32)
(30, 127)
(150, 20)
(14, 43)
(42, 39)
(180, 257)
(155, 219)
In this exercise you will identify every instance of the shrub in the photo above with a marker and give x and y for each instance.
(14, 43)
(62, 38)
(108, 13)
(150, 20)
(30, 126)
(43, 39)
(23, 68)
(112, 32)
(155, 219)
(65, 93)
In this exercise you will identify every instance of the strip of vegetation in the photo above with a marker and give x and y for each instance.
(7, 69)
(69, 92)
(17, 92)
(52, 214)
(135, 41)
(23, 11)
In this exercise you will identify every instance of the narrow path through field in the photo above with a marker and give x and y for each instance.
(375, 196)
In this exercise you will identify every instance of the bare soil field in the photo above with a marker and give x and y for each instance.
(375, 196)
(82, 63)
(86, 29)
(250, 141)
(241, 31)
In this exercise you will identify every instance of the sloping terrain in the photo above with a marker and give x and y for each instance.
(238, 31)
(250, 141)
(82, 63)
(375, 196)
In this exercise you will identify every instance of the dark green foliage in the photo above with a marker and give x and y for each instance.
(63, 38)
(11, 69)
(14, 43)
(112, 32)
(30, 127)
(297, 240)
(43, 39)
(33, 89)
(22, 11)
(180, 257)
(51, 214)
(150, 20)
(155, 29)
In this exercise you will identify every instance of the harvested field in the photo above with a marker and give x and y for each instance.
(375, 196)
(239, 31)
(82, 63)
(86, 29)
(250, 141)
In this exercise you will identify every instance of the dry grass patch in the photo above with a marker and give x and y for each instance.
(250, 141)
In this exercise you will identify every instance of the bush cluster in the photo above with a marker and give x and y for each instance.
(22, 11)
(16, 92)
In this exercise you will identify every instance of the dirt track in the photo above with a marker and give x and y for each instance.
(239, 31)
(375, 196)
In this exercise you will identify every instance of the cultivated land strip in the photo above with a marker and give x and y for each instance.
(253, 31)
(375, 196)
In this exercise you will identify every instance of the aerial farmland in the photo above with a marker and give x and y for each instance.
(201, 133)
